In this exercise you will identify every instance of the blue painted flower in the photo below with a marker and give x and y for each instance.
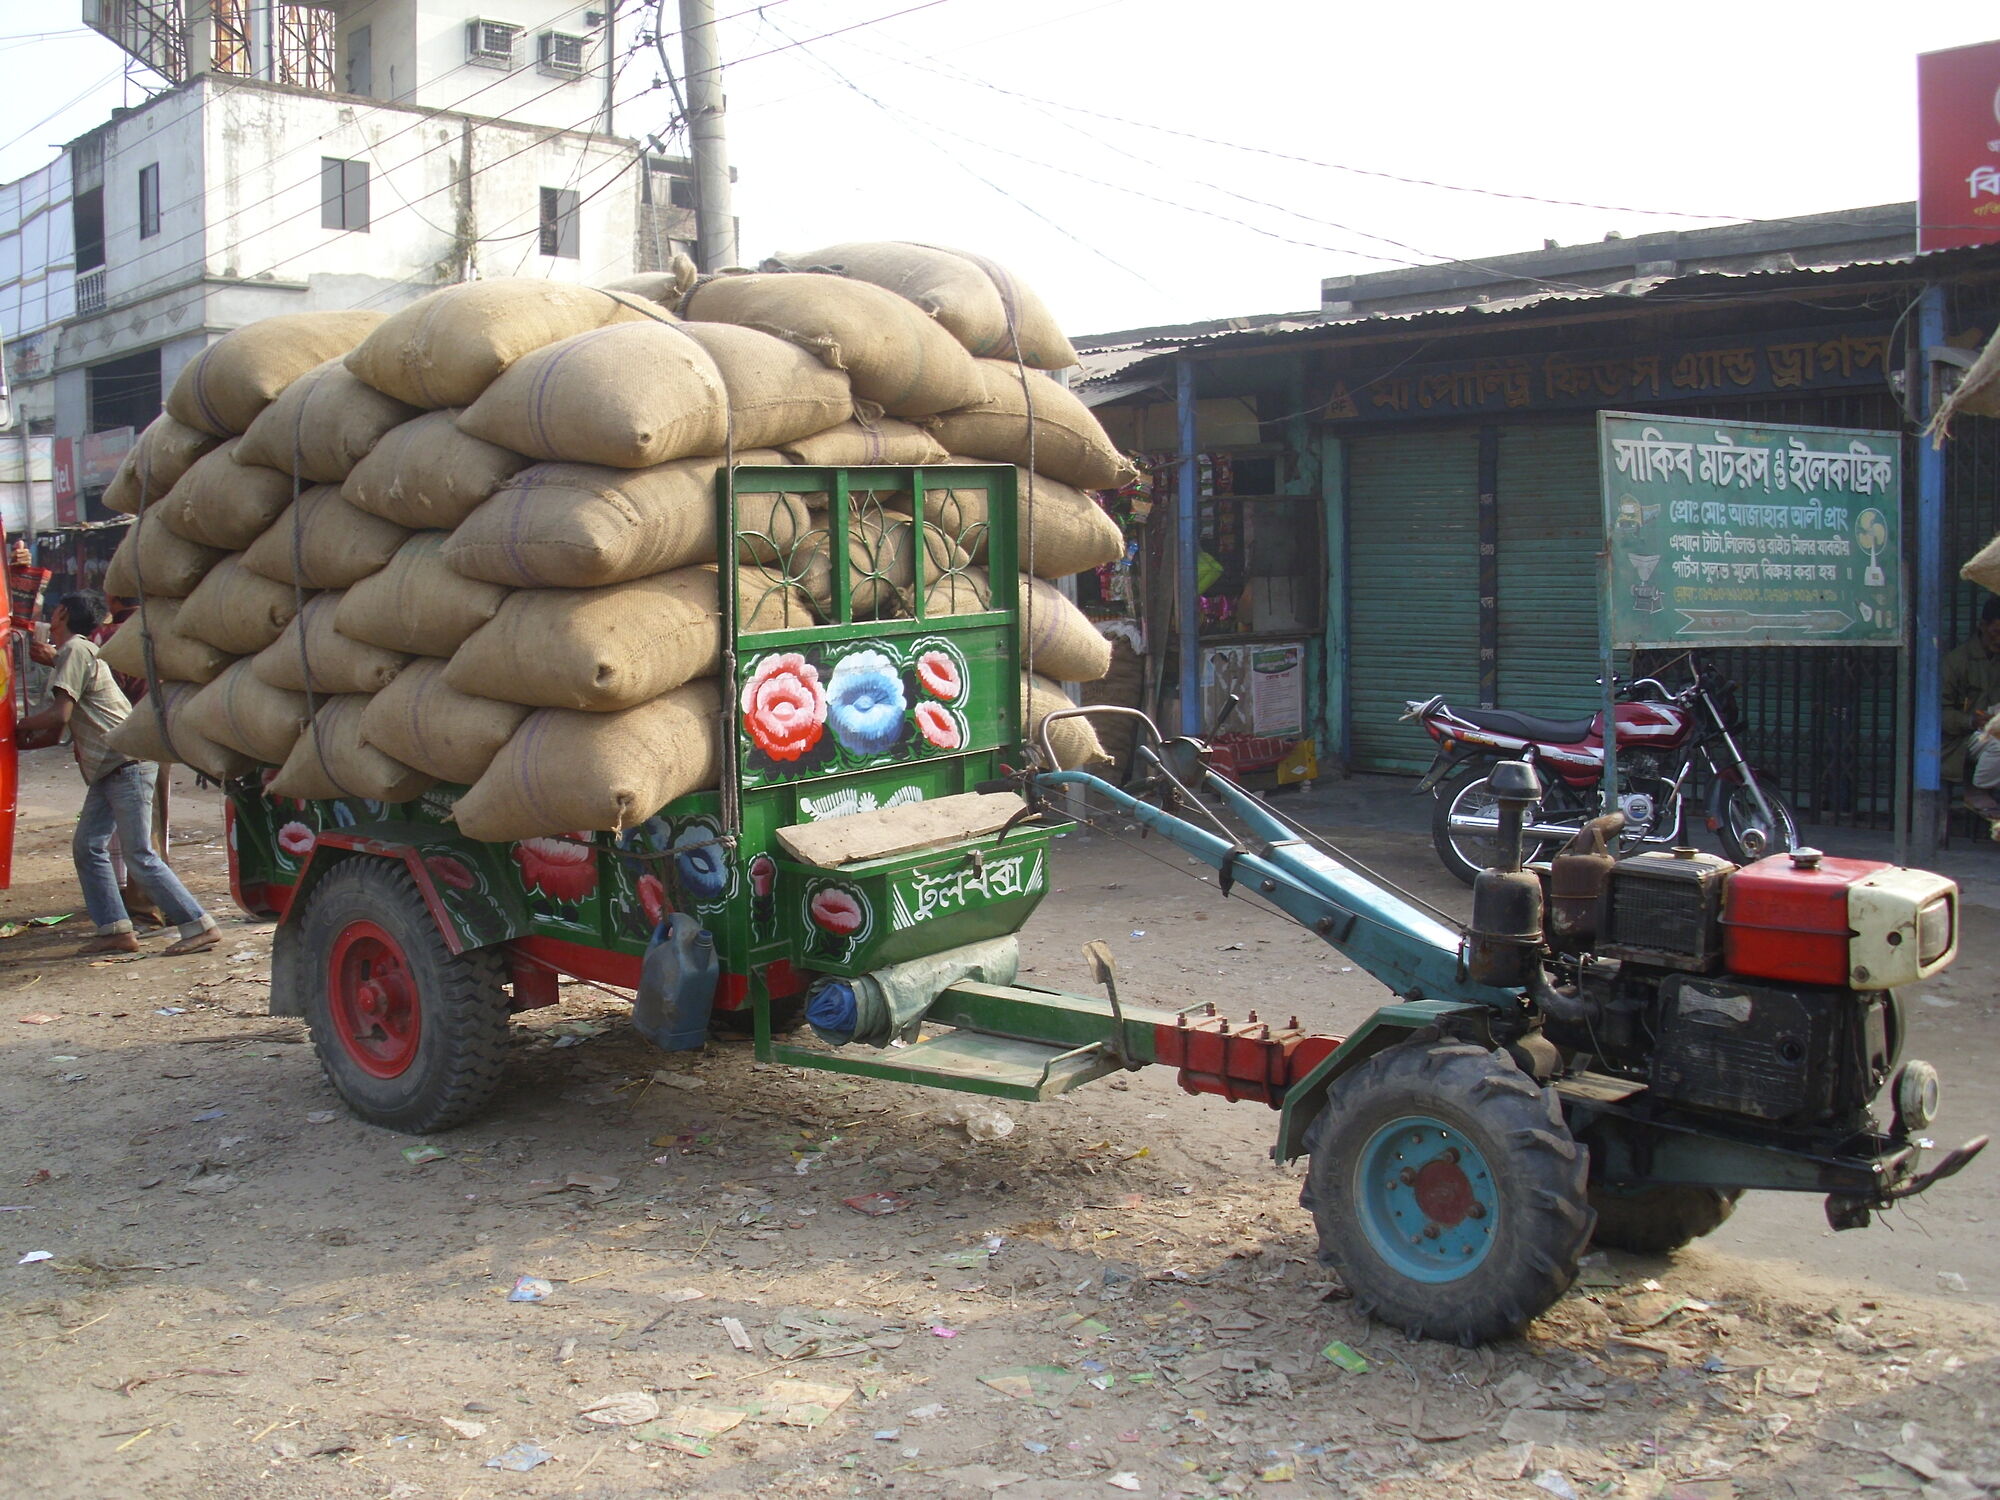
(865, 703)
(649, 837)
(702, 861)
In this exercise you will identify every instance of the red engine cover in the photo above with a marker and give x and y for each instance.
(1784, 921)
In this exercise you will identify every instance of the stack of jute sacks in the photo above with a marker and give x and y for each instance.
(475, 542)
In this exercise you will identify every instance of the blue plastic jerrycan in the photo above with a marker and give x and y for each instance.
(677, 985)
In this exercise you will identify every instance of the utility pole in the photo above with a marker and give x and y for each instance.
(715, 224)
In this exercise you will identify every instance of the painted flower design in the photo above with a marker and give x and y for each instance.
(865, 703)
(939, 727)
(702, 863)
(940, 676)
(784, 706)
(653, 899)
(297, 840)
(838, 912)
(448, 869)
(563, 869)
(763, 875)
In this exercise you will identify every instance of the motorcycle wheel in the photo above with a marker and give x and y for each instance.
(1743, 825)
(1466, 794)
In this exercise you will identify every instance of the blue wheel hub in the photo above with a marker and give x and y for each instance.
(1426, 1199)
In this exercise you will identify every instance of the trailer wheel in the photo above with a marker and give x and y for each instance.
(411, 1035)
(1659, 1220)
(1448, 1192)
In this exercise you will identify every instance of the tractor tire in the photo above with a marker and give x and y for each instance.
(412, 1036)
(1659, 1220)
(1448, 1192)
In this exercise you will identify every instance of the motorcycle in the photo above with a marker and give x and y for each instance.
(1669, 744)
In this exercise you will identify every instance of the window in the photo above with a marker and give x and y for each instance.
(490, 44)
(559, 223)
(360, 61)
(343, 194)
(562, 53)
(149, 201)
(87, 218)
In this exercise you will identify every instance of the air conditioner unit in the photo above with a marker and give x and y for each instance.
(562, 53)
(490, 44)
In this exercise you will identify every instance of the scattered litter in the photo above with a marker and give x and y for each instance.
(466, 1431)
(416, 1156)
(875, 1205)
(1046, 1386)
(1136, 932)
(1505, 1464)
(1526, 1424)
(37, 1018)
(989, 1125)
(625, 1409)
(943, 1332)
(592, 1182)
(1555, 1484)
(531, 1289)
(1126, 1480)
(1277, 1473)
(321, 1117)
(1230, 948)
(927, 1413)
(35, 1255)
(171, 1010)
(807, 1403)
(1799, 1383)
(738, 1335)
(887, 1434)
(1951, 1281)
(685, 1294)
(686, 1082)
(520, 1458)
(1344, 1356)
(221, 1114)
(50, 921)
(704, 1421)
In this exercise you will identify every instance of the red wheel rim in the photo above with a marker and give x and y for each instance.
(376, 1011)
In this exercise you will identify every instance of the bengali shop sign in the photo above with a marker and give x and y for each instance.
(1733, 534)
(1958, 147)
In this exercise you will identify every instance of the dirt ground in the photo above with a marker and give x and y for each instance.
(250, 1293)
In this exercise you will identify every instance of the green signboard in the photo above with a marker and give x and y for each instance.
(1735, 534)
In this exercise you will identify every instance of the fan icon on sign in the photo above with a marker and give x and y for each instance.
(1871, 534)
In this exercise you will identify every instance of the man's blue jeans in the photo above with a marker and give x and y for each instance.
(123, 801)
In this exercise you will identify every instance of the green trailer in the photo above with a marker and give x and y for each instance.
(882, 829)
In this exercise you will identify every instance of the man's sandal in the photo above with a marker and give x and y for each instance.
(201, 942)
(109, 942)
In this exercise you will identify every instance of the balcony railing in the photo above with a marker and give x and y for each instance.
(90, 292)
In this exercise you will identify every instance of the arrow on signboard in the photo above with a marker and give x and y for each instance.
(1742, 622)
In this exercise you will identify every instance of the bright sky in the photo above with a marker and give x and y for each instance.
(903, 129)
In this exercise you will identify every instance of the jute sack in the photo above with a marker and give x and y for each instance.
(221, 390)
(337, 544)
(859, 443)
(567, 771)
(444, 349)
(1984, 568)
(1057, 638)
(631, 395)
(609, 648)
(580, 525)
(1069, 443)
(331, 759)
(139, 736)
(168, 565)
(236, 610)
(1061, 530)
(222, 503)
(243, 712)
(322, 425)
(337, 664)
(423, 721)
(1074, 741)
(175, 655)
(155, 463)
(895, 354)
(978, 302)
(880, 554)
(417, 604)
(426, 473)
(777, 391)
(663, 287)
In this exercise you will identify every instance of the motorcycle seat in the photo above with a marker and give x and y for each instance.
(1528, 726)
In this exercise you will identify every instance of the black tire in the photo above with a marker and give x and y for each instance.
(1526, 1182)
(1466, 791)
(1659, 1220)
(424, 1075)
(1741, 818)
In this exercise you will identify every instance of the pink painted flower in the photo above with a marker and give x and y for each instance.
(653, 898)
(449, 869)
(837, 911)
(564, 869)
(763, 875)
(940, 675)
(297, 840)
(784, 706)
(938, 726)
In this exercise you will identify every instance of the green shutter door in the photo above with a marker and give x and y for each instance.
(1551, 530)
(1413, 588)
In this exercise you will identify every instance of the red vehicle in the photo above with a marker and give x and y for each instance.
(1677, 752)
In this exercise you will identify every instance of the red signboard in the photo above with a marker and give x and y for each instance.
(1958, 147)
(64, 473)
